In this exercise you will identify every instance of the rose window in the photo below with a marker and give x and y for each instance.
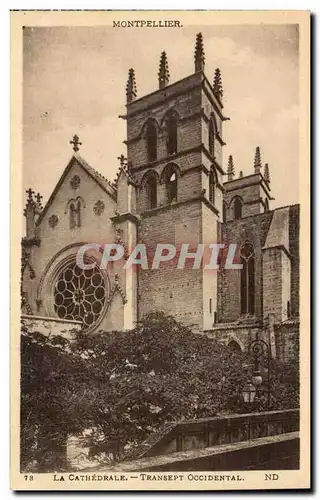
(80, 294)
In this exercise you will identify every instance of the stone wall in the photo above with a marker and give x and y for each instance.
(277, 283)
(287, 340)
(294, 243)
(176, 291)
(50, 326)
(207, 432)
(182, 446)
(242, 333)
(278, 452)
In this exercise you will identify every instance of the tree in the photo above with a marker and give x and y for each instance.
(120, 387)
(53, 383)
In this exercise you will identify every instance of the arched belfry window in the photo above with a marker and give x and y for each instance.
(247, 260)
(151, 137)
(237, 208)
(211, 137)
(172, 187)
(171, 183)
(211, 187)
(172, 133)
(151, 185)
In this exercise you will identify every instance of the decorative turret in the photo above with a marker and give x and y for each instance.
(30, 201)
(33, 207)
(266, 173)
(199, 56)
(257, 161)
(131, 88)
(230, 170)
(163, 74)
(240, 174)
(124, 168)
(217, 85)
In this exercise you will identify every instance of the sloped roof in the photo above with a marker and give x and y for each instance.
(94, 174)
(125, 172)
(278, 234)
(103, 181)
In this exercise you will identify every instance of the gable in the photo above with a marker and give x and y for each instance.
(78, 161)
(97, 201)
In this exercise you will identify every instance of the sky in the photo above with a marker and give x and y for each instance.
(74, 82)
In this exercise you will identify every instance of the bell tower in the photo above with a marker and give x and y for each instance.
(250, 194)
(174, 150)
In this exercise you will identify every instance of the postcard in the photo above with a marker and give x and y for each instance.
(160, 267)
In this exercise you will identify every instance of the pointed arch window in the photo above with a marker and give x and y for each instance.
(224, 211)
(171, 183)
(288, 309)
(79, 213)
(172, 133)
(172, 188)
(211, 187)
(211, 137)
(151, 141)
(266, 205)
(75, 214)
(151, 185)
(72, 215)
(233, 344)
(247, 259)
(237, 208)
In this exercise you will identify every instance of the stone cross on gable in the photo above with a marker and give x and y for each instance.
(30, 193)
(122, 159)
(39, 200)
(76, 143)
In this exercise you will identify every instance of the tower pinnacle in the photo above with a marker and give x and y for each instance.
(131, 88)
(217, 84)
(257, 161)
(32, 209)
(163, 74)
(199, 56)
(266, 173)
(230, 170)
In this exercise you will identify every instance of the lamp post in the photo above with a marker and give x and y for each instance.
(248, 393)
(259, 349)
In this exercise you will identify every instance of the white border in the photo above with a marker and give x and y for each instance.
(4, 199)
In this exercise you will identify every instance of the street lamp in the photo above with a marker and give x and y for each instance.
(259, 349)
(248, 393)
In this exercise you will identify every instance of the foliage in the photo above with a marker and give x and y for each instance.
(120, 387)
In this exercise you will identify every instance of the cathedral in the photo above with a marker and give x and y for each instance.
(172, 187)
